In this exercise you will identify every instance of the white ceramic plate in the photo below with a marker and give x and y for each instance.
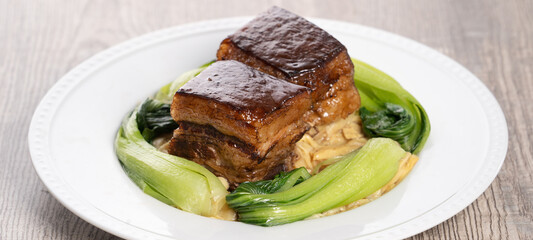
(72, 131)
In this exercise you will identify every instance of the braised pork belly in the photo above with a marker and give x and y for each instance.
(289, 47)
(239, 122)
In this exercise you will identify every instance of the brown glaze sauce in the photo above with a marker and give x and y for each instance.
(253, 93)
(287, 41)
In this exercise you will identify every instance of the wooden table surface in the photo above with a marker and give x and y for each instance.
(40, 41)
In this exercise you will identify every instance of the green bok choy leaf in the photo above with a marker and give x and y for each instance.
(173, 180)
(153, 118)
(356, 176)
(281, 182)
(388, 110)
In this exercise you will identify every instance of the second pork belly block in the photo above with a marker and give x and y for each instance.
(289, 47)
(239, 122)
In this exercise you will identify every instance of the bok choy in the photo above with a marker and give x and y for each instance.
(388, 110)
(356, 176)
(173, 180)
(281, 182)
(153, 118)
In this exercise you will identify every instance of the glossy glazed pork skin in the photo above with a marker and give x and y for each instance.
(239, 122)
(289, 47)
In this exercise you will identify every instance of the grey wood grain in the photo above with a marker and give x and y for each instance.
(41, 40)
